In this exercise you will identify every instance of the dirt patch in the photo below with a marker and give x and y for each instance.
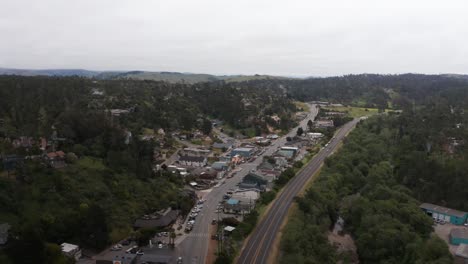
(443, 232)
(212, 246)
(344, 244)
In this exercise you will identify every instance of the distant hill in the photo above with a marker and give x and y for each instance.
(51, 72)
(171, 77)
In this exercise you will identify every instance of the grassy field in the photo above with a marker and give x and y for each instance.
(302, 105)
(354, 111)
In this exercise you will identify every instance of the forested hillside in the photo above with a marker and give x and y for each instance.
(387, 167)
(108, 180)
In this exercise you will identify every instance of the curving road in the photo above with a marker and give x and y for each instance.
(258, 248)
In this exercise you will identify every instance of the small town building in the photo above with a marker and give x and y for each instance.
(159, 219)
(312, 135)
(206, 173)
(220, 165)
(288, 152)
(323, 123)
(443, 213)
(56, 159)
(193, 161)
(244, 152)
(197, 152)
(458, 236)
(71, 251)
(253, 181)
(224, 145)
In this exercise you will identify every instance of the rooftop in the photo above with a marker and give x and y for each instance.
(229, 228)
(459, 233)
(66, 247)
(232, 201)
(192, 158)
(441, 209)
(243, 149)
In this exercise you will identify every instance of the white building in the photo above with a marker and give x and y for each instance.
(72, 251)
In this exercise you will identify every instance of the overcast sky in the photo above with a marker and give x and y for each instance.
(293, 37)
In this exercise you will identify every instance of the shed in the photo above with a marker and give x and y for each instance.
(458, 236)
(443, 213)
(229, 228)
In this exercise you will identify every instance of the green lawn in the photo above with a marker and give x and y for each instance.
(354, 111)
(91, 163)
(302, 105)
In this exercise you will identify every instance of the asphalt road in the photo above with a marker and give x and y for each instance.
(258, 248)
(194, 247)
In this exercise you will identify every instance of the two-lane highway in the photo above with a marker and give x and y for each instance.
(258, 248)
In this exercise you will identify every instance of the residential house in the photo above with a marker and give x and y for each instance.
(192, 161)
(56, 159)
(159, 219)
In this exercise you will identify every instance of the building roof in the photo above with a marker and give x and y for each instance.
(160, 221)
(232, 201)
(229, 228)
(459, 233)
(243, 149)
(67, 248)
(192, 158)
(441, 209)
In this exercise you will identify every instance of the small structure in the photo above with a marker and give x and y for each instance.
(312, 135)
(223, 146)
(253, 181)
(71, 251)
(56, 159)
(220, 165)
(157, 219)
(323, 123)
(288, 152)
(197, 152)
(229, 229)
(443, 213)
(458, 236)
(193, 161)
(244, 152)
(4, 229)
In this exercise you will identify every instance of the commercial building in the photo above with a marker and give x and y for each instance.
(443, 213)
(244, 152)
(458, 236)
(193, 161)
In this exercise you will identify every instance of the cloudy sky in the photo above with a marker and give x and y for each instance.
(293, 37)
